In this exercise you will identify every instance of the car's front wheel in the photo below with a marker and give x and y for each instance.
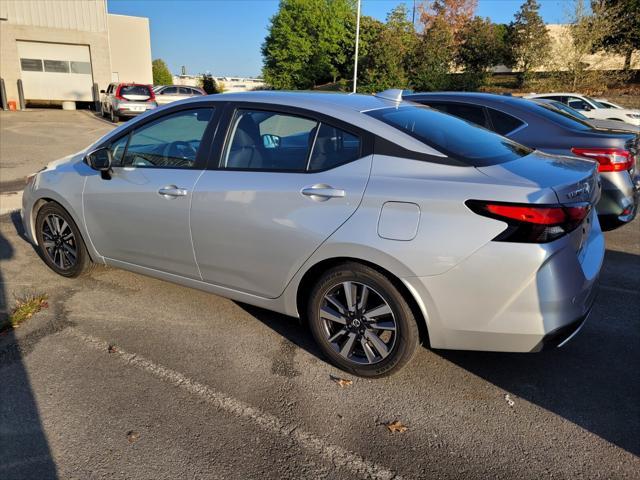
(361, 321)
(59, 241)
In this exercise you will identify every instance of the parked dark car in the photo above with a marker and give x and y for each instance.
(548, 130)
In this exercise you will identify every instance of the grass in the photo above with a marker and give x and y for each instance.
(25, 308)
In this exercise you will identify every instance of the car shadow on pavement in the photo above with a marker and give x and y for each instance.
(24, 450)
(593, 380)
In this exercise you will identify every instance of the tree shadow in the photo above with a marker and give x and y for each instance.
(24, 450)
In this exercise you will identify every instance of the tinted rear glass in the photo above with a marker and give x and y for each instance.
(458, 139)
(135, 90)
(560, 117)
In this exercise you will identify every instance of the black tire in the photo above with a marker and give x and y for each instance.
(402, 342)
(113, 116)
(63, 263)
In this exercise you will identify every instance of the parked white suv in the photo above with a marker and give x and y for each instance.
(592, 108)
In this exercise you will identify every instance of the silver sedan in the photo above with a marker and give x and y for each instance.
(380, 222)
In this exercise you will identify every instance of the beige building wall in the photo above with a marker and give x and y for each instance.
(63, 21)
(130, 41)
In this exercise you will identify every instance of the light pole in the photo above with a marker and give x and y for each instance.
(355, 61)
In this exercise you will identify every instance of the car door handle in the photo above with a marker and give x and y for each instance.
(171, 191)
(322, 192)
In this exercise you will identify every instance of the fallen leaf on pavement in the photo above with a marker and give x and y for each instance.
(343, 382)
(396, 427)
(112, 349)
(509, 400)
(132, 436)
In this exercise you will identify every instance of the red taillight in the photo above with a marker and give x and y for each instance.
(118, 96)
(152, 94)
(532, 223)
(609, 159)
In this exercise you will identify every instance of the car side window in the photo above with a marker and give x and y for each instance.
(263, 140)
(472, 113)
(170, 91)
(169, 142)
(184, 91)
(117, 151)
(503, 123)
(578, 103)
(333, 147)
(195, 92)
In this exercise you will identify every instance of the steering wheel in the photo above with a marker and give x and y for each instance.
(180, 149)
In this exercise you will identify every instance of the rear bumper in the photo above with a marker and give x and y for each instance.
(620, 197)
(512, 297)
(560, 336)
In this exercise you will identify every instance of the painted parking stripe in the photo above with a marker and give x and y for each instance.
(337, 455)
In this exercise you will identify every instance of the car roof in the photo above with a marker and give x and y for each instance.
(319, 101)
(484, 98)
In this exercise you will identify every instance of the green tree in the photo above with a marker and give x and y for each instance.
(624, 38)
(480, 49)
(161, 73)
(310, 42)
(530, 41)
(209, 84)
(388, 54)
(433, 57)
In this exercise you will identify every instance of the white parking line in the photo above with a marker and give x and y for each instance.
(333, 453)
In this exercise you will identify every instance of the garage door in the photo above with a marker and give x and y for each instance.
(55, 71)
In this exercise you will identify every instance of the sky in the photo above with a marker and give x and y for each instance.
(224, 36)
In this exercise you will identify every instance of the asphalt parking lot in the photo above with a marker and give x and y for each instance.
(124, 376)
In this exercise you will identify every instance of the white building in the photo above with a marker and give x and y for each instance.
(59, 49)
(228, 84)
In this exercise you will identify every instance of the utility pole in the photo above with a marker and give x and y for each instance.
(355, 61)
(413, 17)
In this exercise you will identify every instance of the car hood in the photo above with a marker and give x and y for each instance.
(572, 179)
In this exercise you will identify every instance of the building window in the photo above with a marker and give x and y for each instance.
(57, 66)
(31, 64)
(80, 67)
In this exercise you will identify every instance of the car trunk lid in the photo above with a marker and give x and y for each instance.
(573, 180)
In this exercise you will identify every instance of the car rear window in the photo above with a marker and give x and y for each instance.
(135, 90)
(457, 138)
(559, 116)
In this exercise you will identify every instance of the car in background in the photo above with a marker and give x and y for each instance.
(592, 108)
(546, 129)
(172, 93)
(607, 104)
(126, 100)
(600, 124)
(369, 217)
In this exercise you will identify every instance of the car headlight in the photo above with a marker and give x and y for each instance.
(633, 115)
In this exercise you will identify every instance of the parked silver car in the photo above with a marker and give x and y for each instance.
(372, 218)
(173, 93)
(125, 100)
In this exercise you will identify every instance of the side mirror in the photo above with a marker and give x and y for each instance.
(102, 91)
(99, 159)
(270, 141)
(588, 107)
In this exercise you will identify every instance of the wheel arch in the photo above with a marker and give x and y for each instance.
(45, 200)
(311, 274)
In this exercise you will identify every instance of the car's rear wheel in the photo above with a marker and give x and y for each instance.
(59, 241)
(361, 321)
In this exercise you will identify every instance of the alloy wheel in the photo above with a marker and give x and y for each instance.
(59, 242)
(358, 323)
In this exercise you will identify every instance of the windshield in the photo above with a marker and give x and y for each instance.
(457, 138)
(142, 90)
(595, 102)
